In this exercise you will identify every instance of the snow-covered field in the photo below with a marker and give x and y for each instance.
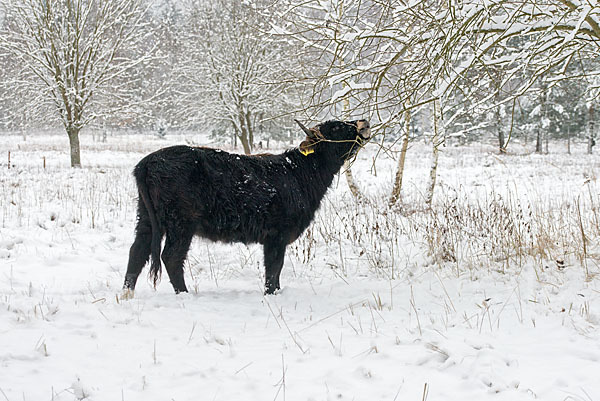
(493, 295)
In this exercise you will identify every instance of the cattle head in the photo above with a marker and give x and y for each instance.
(335, 139)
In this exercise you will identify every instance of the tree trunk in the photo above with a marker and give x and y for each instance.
(250, 131)
(501, 144)
(437, 141)
(244, 140)
(502, 149)
(400, 169)
(591, 133)
(244, 132)
(74, 145)
(347, 167)
(538, 141)
(351, 183)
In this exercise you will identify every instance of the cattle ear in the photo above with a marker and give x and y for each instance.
(307, 147)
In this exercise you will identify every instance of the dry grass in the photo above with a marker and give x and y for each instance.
(505, 232)
(500, 233)
(460, 233)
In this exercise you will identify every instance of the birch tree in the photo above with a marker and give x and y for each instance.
(396, 191)
(396, 53)
(72, 54)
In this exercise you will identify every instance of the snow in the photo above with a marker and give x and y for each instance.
(357, 318)
(349, 87)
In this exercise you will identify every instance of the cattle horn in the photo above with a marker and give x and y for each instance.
(306, 130)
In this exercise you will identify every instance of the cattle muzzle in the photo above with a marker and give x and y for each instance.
(364, 129)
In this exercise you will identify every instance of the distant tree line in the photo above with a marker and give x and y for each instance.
(140, 64)
(484, 70)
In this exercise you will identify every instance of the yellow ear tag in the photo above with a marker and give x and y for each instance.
(307, 151)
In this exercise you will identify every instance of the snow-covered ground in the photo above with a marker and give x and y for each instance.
(368, 309)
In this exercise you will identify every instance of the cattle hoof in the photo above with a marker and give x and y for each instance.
(127, 294)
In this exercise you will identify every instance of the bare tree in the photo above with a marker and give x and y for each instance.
(397, 189)
(233, 71)
(591, 133)
(71, 55)
(386, 54)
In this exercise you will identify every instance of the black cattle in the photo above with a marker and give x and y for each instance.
(266, 199)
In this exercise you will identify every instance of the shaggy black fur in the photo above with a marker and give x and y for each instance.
(267, 199)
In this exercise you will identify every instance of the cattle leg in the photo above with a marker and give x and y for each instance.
(173, 256)
(273, 252)
(138, 254)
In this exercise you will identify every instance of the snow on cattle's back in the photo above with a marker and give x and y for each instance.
(367, 312)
